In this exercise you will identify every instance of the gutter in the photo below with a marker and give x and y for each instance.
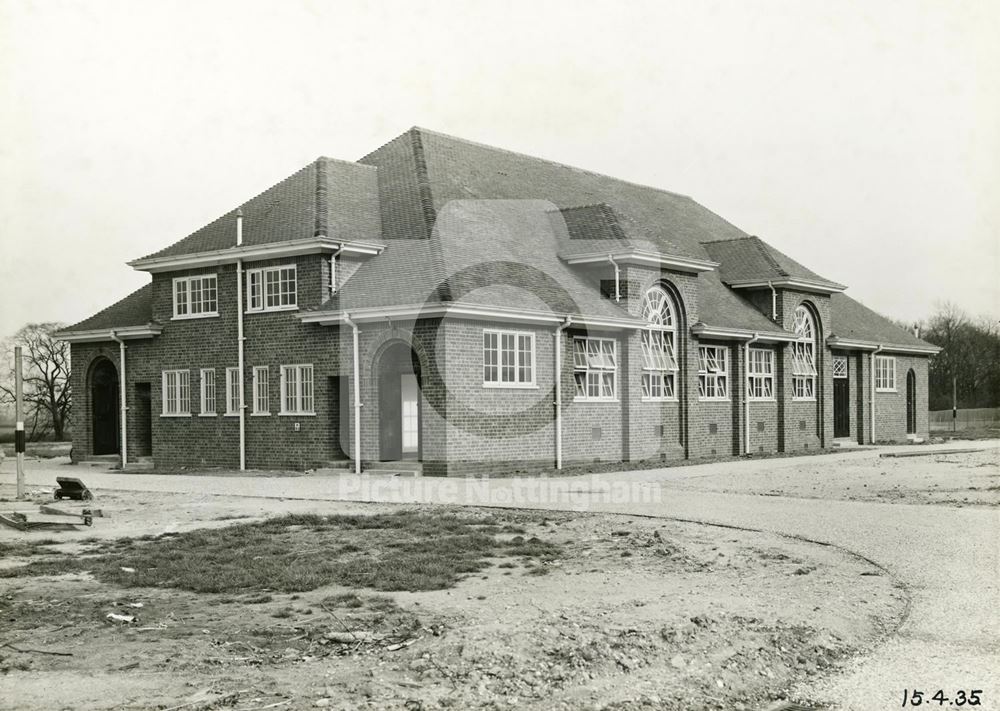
(558, 349)
(618, 292)
(333, 269)
(357, 394)
(874, 353)
(774, 302)
(240, 338)
(121, 397)
(746, 392)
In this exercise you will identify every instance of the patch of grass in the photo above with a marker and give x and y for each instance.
(401, 551)
(28, 548)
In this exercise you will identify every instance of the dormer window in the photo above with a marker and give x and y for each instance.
(196, 296)
(272, 289)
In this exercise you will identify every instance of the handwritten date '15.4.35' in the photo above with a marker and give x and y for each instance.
(914, 697)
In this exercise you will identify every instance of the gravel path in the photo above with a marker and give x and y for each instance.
(948, 557)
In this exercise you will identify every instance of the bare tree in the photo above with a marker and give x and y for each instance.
(46, 369)
(969, 358)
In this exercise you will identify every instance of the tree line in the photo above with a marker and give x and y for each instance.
(969, 358)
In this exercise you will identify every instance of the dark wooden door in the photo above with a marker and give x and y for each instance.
(144, 419)
(104, 407)
(911, 403)
(390, 416)
(841, 408)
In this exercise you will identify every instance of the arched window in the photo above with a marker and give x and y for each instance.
(804, 356)
(659, 346)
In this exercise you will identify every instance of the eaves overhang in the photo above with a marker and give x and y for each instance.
(850, 344)
(643, 257)
(466, 311)
(819, 287)
(97, 335)
(702, 330)
(246, 252)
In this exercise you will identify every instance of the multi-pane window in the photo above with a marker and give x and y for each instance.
(713, 373)
(595, 368)
(176, 392)
(234, 391)
(208, 391)
(196, 296)
(760, 374)
(297, 390)
(885, 374)
(804, 356)
(508, 359)
(271, 289)
(261, 402)
(659, 363)
(840, 366)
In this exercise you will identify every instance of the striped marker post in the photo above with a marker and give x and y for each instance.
(19, 417)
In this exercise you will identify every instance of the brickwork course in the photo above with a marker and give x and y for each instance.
(418, 249)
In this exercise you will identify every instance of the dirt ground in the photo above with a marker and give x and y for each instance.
(957, 479)
(636, 613)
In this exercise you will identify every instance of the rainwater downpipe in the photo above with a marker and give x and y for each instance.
(618, 293)
(774, 302)
(239, 341)
(874, 353)
(121, 397)
(333, 269)
(357, 393)
(746, 393)
(558, 349)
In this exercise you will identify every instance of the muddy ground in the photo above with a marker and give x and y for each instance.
(635, 613)
(956, 479)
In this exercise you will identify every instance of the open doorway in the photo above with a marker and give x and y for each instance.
(399, 404)
(104, 407)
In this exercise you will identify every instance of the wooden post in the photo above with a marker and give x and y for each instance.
(19, 421)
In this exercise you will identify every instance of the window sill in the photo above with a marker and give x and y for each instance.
(260, 414)
(803, 399)
(194, 317)
(713, 399)
(273, 309)
(510, 386)
(175, 414)
(658, 399)
(763, 399)
(595, 399)
(296, 414)
(208, 414)
(886, 390)
(231, 414)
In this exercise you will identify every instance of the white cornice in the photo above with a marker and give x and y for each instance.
(272, 250)
(468, 311)
(737, 334)
(820, 287)
(126, 333)
(849, 344)
(633, 255)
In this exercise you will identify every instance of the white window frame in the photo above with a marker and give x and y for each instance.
(713, 373)
(803, 353)
(234, 393)
(658, 346)
(600, 359)
(494, 359)
(885, 374)
(839, 367)
(300, 400)
(208, 393)
(258, 281)
(261, 394)
(176, 389)
(760, 375)
(183, 309)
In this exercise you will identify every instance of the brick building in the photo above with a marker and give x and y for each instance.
(479, 310)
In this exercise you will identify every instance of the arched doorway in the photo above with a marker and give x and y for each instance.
(399, 404)
(104, 407)
(911, 402)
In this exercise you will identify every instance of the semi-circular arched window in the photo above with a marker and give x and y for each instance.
(804, 356)
(659, 346)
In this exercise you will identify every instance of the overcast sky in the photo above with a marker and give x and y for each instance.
(861, 138)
